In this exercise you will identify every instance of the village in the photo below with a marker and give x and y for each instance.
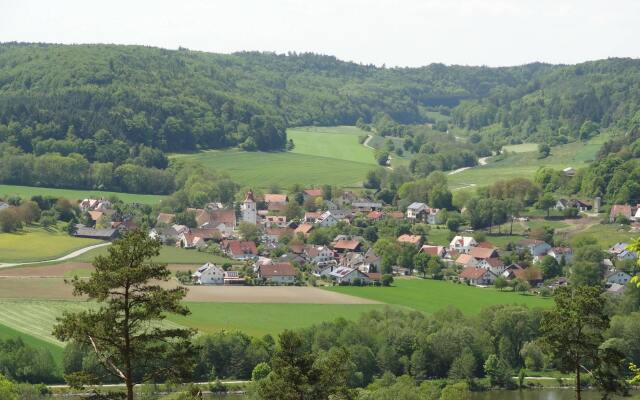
(264, 247)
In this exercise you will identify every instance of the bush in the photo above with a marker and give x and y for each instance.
(260, 371)
(387, 279)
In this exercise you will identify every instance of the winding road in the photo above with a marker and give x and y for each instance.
(481, 161)
(69, 256)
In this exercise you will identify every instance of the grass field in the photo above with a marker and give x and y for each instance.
(168, 254)
(260, 319)
(55, 349)
(428, 295)
(525, 162)
(27, 192)
(321, 156)
(35, 244)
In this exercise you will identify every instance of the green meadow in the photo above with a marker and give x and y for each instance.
(28, 191)
(522, 161)
(168, 254)
(428, 296)
(56, 351)
(35, 244)
(261, 319)
(321, 156)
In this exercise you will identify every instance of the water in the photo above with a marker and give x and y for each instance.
(542, 394)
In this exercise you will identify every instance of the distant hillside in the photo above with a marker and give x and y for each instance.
(82, 98)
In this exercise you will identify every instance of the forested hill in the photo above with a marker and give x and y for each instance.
(81, 98)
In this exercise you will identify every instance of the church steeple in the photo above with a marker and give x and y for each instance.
(248, 208)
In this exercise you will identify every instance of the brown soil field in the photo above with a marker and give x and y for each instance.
(29, 287)
(61, 270)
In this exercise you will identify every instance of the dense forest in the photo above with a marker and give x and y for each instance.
(183, 100)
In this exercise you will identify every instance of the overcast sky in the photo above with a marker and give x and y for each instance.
(391, 32)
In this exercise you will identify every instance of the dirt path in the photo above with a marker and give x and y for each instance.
(481, 162)
(69, 256)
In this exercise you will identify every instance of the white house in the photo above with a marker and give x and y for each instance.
(209, 274)
(414, 210)
(318, 254)
(617, 276)
(347, 275)
(536, 247)
(477, 276)
(187, 240)
(462, 244)
(326, 219)
(559, 252)
(281, 273)
(495, 265)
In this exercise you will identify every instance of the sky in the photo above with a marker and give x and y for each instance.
(391, 32)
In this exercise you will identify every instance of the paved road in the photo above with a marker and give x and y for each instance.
(69, 256)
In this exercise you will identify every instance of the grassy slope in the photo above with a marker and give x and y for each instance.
(35, 243)
(10, 333)
(429, 296)
(525, 162)
(29, 191)
(321, 156)
(261, 319)
(168, 254)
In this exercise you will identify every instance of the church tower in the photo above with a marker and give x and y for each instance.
(248, 209)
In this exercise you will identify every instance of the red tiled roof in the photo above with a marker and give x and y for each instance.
(472, 273)
(412, 239)
(620, 209)
(239, 247)
(396, 215)
(528, 274)
(375, 215)
(346, 244)
(432, 250)
(275, 198)
(313, 192)
(304, 228)
(482, 252)
(464, 259)
(486, 245)
(280, 269)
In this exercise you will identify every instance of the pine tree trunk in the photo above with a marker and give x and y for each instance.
(578, 384)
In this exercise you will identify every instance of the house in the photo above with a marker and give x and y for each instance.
(532, 275)
(375, 215)
(303, 229)
(436, 251)
(536, 247)
(311, 194)
(233, 278)
(273, 235)
(466, 260)
(326, 219)
(477, 276)
(345, 245)
(351, 259)
(559, 252)
(561, 204)
(415, 240)
(239, 249)
(617, 276)
(615, 289)
(493, 264)
(207, 234)
(482, 253)
(415, 209)
(370, 262)
(569, 171)
(462, 244)
(102, 234)
(248, 209)
(209, 274)
(280, 199)
(620, 251)
(222, 219)
(164, 234)
(166, 219)
(366, 206)
(623, 210)
(281, 273)
(276, 220)
(95, 216)
(94, 204)
(318, 255)
(311, 217)
(188, 240)
(347, 275)
(581, 205)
